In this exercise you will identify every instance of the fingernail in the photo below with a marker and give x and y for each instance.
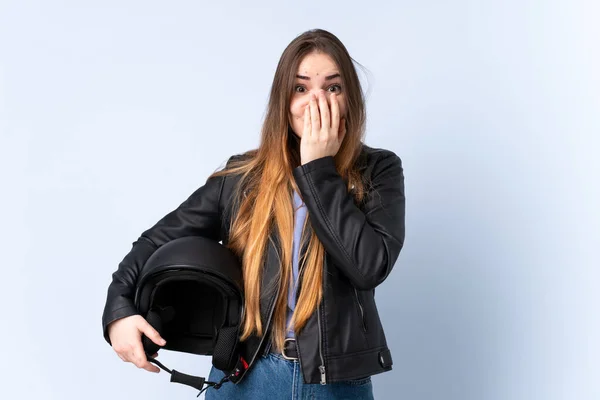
(163, 341)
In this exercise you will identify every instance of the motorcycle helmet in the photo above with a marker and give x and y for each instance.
(191, 291)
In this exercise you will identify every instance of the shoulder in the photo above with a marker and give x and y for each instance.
(238, 159)
(234, 169)
(378, 159)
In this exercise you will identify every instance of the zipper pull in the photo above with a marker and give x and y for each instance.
(322, 369)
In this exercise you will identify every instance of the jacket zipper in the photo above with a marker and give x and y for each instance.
(262, 339)
(362, 311)
(322, 366)
(265, 331)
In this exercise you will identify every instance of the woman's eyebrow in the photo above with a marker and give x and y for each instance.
(327, 78)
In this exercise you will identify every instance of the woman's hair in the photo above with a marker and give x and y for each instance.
(267, 182)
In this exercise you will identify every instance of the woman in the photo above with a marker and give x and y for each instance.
(317, 218)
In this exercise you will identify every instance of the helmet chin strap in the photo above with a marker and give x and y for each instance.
(198, 382)
(156, 317)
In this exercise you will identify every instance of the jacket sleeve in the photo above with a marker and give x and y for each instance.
(198, 215)
(364, 244)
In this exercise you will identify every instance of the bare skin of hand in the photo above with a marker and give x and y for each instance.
(126, 338)
(323, 131)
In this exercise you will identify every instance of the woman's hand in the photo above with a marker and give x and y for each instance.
(126, 339)
(323, 131)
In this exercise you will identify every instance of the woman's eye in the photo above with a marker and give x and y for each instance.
(301, 89)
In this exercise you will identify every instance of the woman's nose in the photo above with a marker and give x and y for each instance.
(316, 93)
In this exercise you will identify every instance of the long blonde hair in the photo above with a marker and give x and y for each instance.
(267, 182)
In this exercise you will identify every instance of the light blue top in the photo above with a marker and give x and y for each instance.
(299, 216)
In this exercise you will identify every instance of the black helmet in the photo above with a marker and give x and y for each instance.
(191, 291)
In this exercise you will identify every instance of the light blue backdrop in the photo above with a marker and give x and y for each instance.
(113, 112)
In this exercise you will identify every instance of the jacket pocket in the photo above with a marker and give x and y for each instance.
(361, 310)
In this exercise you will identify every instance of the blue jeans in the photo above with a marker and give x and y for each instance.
(273, 377)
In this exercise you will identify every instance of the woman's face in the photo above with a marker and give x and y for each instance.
(316, 72)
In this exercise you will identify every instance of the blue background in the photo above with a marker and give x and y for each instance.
(113, 112)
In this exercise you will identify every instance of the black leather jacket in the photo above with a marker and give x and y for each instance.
(344, 339)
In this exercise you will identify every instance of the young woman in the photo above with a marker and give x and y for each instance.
(317, 218)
